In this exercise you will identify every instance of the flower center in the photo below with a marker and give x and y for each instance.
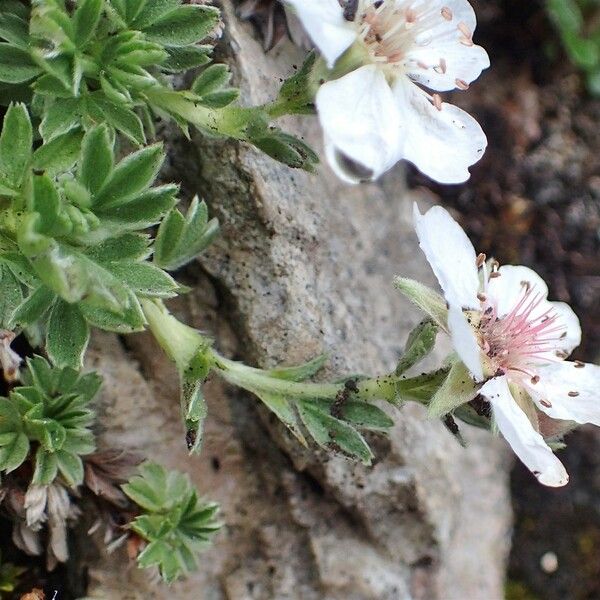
(390, 30)
(524, 337)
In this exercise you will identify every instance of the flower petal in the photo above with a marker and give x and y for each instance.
(447, 66)
(324, 22)
(569, 321)
(442, 143)
(569, 391)
(450, 254)
(361, 124)
(508, 289)
(518, 431)
(465, 342)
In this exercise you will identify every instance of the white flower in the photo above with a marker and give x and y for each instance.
(376, 115)
(513, 341)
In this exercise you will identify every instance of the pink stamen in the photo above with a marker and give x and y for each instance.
(520, 339)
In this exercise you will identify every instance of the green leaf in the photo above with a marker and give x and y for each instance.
(71, 467)
(14, 29)
(11, 295)
(16, 66)
(300, 372)
(221, 98)
(154, 11)
(330, 432)
(212, 79)
(97, 160)
(67, 336)
(358, 413)
(146, 280)
(47, 203)
(144, 210)
(285, 412)
(297, 93)
(126, 247)
(133, 175)
(183, 26)
(58, 155)
(15, 144)
(181, 239)
(46, 467)
(186, 58)
(32, 308)
(60, 116)
(85, 20)
(420, 343)
(285, 148)
(127, 321)
(13, 452)
(121, 118)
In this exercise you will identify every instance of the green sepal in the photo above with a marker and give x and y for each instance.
(426, 299)
(458, 388)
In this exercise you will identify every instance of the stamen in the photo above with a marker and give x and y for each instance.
(573, 394)
(447, 13)
(461, 84)
(437, 101)
(481, 258)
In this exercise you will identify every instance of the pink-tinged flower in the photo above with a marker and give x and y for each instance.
(512, 341)
(377, 113)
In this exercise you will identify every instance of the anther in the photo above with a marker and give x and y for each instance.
(481, 297)
(462, 27)
(437, 101)
(495, 275)
(447, 13)
(535, 379)
(481, 258)
(573, 394)
(461, 84)
(579, 364)
(546, 403)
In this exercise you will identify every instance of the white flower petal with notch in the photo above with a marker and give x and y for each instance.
(442, 142)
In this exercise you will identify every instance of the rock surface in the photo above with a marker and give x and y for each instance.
(304, 265)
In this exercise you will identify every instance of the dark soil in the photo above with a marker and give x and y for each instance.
(535, 200)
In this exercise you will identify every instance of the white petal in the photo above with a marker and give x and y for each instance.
(569, 321)
(465, 342)
(361, 124)
(445, 67)
(324, 22)
(442, 144)
(568, 391)
(450, 254)
(518, 431)
(508, 289)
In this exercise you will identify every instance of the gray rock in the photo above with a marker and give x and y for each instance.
(305, 265)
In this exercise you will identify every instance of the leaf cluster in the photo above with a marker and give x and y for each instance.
(95, 62)
(334, 425)
(48, 419)
(73, 247)
(175, 522)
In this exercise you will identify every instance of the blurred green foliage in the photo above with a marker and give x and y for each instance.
(578, 22)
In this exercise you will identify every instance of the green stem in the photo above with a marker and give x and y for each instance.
(257, 380)
(184, 345)
(230, 121)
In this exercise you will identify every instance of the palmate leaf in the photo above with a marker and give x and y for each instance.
(175, 523)
(51, 410)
